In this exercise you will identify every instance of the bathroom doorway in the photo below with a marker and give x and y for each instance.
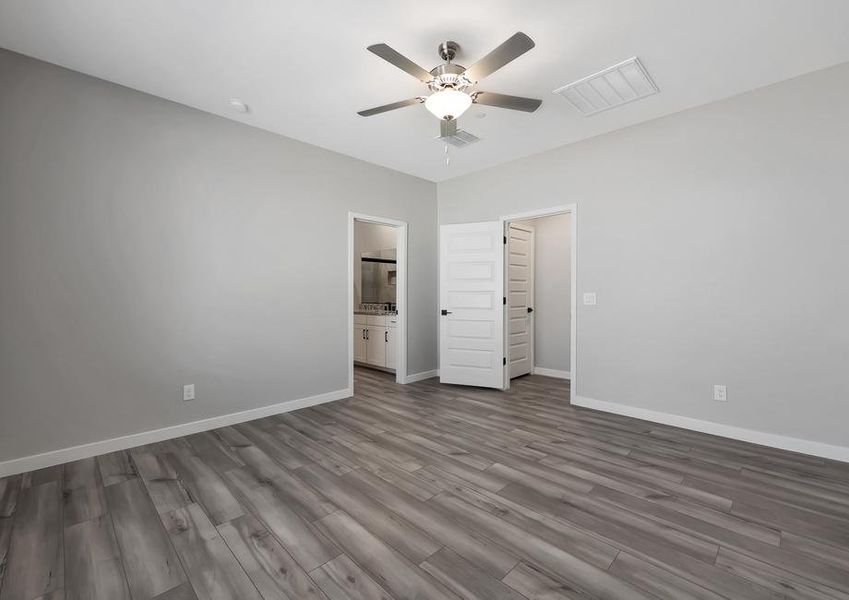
(377, 283)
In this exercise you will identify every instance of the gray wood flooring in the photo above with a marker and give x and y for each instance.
(431, 492)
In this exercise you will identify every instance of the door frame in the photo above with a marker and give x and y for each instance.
(572, 210)
(400, 288)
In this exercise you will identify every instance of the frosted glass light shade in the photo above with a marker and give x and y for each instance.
(448, 103)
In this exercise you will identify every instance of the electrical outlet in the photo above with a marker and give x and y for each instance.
(188, 392)
(589, 299)
(720, 394)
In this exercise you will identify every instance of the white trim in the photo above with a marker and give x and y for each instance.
(763, 438)
(552, 373)
(422, 376)
(540, 212)
(572, 209)
(400, 288)
(63, 455)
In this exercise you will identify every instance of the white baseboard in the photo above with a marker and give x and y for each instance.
(763, 438)
(63, 455)
(552, 373)
(421, 376)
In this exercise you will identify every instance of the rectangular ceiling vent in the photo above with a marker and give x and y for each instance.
(612, 87)
(459, 139)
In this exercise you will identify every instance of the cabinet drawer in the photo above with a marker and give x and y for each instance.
(360, 319)
(392, 321)
(376, 320)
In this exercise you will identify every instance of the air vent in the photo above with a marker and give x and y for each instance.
(612, 87)
(459, 139)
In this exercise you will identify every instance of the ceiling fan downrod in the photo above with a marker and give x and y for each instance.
(448, 50)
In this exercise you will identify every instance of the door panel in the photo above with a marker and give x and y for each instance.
(391, 358)
(471, 286)
(520, 286)
(376, 341)
(360, 351)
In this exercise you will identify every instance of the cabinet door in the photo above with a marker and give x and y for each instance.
(360, 348)
(376, 340)
(391, 348)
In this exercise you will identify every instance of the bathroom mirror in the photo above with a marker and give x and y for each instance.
(378, 276)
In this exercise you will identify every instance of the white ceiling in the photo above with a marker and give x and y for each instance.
(303, 68)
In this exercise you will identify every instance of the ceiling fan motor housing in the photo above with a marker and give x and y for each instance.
(448, 75)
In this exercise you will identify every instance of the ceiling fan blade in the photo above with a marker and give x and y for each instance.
(387, 107)
(510, 50)
(402, 62)
(447, 128)
(507, 101)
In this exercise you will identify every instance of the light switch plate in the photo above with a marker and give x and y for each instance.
(720, 394)
(589, 299)
(188, 392)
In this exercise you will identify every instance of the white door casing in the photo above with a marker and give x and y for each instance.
(520, 298)
(471, 288)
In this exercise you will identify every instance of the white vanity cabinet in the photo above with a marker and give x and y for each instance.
(374, 340)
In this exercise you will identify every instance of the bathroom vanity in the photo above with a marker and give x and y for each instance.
(375, 340)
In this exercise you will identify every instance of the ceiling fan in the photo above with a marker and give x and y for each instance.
(450, 82)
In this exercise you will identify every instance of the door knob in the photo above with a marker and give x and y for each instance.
(445, 312)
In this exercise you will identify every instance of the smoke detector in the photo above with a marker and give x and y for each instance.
(239, 106)
(614, 86)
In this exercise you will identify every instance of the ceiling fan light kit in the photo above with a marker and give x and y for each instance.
(449, 82)
(448, 104)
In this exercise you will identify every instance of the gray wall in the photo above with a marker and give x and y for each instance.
(144, 245)
(717, 242)
(552, 293)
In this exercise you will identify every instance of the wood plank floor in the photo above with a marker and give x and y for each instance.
(429, 491)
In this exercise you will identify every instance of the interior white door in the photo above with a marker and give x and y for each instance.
(520, 298)
(471, 289)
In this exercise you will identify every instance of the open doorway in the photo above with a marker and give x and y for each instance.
(377, 282)
(539, 282)
(474, 331)
(539, 296)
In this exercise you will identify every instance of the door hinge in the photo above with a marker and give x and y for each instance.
(505, 240)
(505, 300)
(504, 360)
